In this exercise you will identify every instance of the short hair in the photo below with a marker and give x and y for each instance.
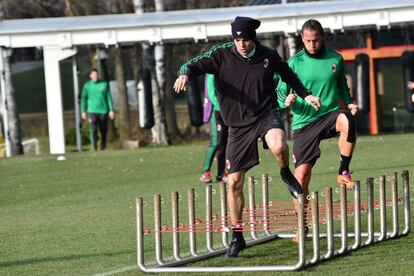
(93, 70)
(312, 24)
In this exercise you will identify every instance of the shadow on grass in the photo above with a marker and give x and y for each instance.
(59, 258)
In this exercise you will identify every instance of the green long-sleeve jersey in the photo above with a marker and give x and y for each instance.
(325, 78)
(96, 97)
(211, 86)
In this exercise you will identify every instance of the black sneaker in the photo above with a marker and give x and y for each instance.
(292, 184)
(235, 247)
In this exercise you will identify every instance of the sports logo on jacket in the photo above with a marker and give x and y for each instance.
(333, 68)
(265, 63)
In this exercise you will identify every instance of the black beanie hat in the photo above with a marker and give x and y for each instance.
(244, 27)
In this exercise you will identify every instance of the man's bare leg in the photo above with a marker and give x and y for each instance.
(235, 199)
(303, 174)
(346, 146)
(276, 141)
(235, 196)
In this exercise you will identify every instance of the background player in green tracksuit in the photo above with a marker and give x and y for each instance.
(322, 71)
(218, 133)
(97, 102)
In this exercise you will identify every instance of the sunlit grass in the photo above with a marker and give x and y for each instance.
(77, 217)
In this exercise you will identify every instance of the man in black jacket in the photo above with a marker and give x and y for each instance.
(244, 71)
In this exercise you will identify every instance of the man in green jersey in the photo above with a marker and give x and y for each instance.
(97, 102)
(322, 71)
(218, 133)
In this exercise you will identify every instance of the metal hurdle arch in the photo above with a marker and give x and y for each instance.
(371, 236)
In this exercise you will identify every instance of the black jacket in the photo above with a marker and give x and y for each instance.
(246, 89)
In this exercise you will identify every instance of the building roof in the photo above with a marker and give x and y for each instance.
(200, 24)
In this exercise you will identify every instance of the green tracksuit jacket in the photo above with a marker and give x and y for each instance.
(96, 97)
(212, 92)
(324, 77)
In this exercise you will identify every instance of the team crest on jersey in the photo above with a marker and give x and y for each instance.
(265, 63)
(333, 67)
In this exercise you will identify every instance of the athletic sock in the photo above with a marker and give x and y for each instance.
(344, 163)
(237, 233)
(285, 172)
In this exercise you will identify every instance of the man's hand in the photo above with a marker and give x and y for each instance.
(315, 102)
(412, 97)
(83, 116)
(181, 83)
(290, 99)
(353, 108)
(111, 115)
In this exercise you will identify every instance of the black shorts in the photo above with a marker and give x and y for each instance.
(307, 139)
(242, 152)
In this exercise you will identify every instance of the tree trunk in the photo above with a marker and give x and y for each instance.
(70, 10)
(12, 112)
(153, 57)
(139, 6)
(159, 131)
(136, 53)
(123, 110)
(101, 59)
(171, 116)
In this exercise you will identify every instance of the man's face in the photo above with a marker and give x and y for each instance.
(94, 75)
(313, 40)
(243, 46)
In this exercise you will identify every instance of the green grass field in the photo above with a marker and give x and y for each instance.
(77, 217)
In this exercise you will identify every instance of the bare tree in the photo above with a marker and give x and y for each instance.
(70, 9)
(123, 109)
(12, 111)
(153, 59)
(139, 6)
(159, 131)
(171, 116)
(53, 8)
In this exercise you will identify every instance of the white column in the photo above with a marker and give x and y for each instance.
(76, 103)
(52, 56)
